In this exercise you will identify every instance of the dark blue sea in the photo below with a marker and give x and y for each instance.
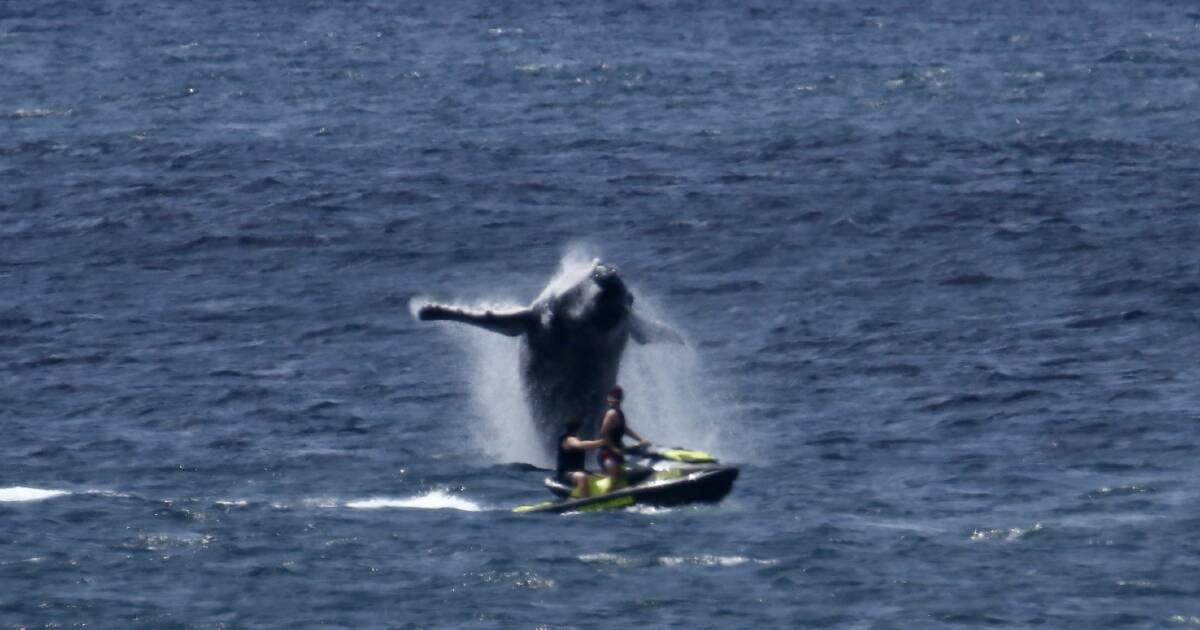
(935, 263)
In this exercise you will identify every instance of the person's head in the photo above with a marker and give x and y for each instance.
(573, 425)
(616, 395)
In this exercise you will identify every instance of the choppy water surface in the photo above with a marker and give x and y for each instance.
(935, 264)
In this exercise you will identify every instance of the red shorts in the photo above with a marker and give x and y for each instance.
(606, 455)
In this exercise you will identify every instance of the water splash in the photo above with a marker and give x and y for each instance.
(20, 493)
(507, 432)
(434, 500)
(503, 425)
(669, 399)
(576, 264)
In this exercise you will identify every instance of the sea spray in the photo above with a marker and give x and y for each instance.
(506, 432)
(668, 397)
(577, 262)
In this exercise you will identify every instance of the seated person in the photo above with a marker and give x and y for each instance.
(571, 455)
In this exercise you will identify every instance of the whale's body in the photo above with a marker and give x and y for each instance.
(572, 339)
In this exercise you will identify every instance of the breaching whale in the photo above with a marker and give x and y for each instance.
(572, 339)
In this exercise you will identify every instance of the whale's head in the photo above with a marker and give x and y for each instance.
(608, 280)
(611, 299)
(592, 294)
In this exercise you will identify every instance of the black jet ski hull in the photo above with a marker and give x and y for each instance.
(707, 485)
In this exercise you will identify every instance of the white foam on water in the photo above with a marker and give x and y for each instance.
(166, 542)
(649, 510)
(434, 500)
(20, 493)
(604, 558)
(711, 561)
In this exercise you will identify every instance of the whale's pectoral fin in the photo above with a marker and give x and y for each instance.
(512, 323)
(646, 331)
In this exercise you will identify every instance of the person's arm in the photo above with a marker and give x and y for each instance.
(634, 434)
(583, 445)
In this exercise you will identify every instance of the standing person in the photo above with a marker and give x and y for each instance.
(571, 455)
(612, 434)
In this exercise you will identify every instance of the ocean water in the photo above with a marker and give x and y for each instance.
(935, 263)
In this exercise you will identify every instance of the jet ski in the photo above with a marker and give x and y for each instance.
(654, 476)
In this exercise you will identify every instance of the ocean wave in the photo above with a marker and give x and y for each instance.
(996, 398)
(1135, 55)
(967, 279)
(13, 318)
(1103, 321)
